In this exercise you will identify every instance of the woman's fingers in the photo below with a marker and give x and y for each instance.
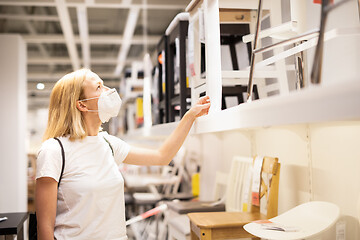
(203, 109)
(203, 100)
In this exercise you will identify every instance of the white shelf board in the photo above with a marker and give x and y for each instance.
(335, 102)
(286, 29)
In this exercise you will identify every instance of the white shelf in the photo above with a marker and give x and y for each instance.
(336, 102)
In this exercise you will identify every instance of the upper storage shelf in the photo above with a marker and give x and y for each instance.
(336, 102)
(336, 98)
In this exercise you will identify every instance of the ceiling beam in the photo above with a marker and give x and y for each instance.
(48, 61)
(66, 27)
(84, 35)
(31, 86)
(51, 77)
(33, 31)
(128, 35)
(93, 39)
(29, 17)
(126, 2)
(94, 5)
(67, 61)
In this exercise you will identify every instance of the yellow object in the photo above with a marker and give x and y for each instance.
(163, 87)
(195, 184)
(244, 207)
(139, 108)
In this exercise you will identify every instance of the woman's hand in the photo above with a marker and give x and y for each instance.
(201, 107)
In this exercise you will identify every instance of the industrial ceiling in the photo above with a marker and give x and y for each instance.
(103, 35)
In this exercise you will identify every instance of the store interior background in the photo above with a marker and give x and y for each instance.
(320, 156)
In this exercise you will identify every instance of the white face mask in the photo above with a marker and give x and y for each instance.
(109, 104)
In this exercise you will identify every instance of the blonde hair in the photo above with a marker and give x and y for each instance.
(64, 118)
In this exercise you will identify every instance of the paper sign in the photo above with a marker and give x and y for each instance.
(246, 191)
(255, 187)
(269, 225)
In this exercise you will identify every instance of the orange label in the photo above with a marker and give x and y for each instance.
(319, 1)
(255, 198)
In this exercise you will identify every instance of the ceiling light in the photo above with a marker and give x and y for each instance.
(40, 86)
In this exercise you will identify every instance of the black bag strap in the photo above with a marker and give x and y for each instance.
(63, 159)
(112, 150)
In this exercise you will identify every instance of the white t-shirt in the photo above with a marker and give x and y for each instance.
(90, 201)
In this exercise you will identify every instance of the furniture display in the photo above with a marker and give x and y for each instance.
(231, 34)
(297, 114)
(177, 221)
(14, 224)
(225, 14)
(305, 221)
(179, 90)
(169, 183)
(149, 189)
(161, 80)
(225, 225)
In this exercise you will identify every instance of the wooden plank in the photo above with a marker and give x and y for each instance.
(268, 166)
(223, 219)
(234, 15)
(226, 233)
(195, 231)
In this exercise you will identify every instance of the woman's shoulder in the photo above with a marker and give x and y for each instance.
(52, 144)
(111, 138)
(106, 135)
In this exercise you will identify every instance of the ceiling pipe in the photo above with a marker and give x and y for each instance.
(125, 5)
(94, 39)
(128, 34)
(84, 35)
(68, 32)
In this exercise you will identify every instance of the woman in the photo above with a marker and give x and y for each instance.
(89, 203)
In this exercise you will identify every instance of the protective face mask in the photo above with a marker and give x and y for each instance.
(109, 104)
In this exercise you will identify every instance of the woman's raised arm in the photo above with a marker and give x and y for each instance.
(162, 156)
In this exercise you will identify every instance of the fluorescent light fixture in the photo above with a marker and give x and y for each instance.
(40, 86)
(65, 23)
(84, 35)
(128, 34)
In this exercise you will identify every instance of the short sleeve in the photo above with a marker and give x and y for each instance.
(120, 147)
(49, 160)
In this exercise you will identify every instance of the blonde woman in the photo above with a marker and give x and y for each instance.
(89, 203)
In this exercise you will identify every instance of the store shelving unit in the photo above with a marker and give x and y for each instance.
(163, 98)
(205, 16)
(177, 80)
(306, 105)
(304, 128)
(335, 102)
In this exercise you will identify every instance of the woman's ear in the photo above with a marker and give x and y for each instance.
(81, 106)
